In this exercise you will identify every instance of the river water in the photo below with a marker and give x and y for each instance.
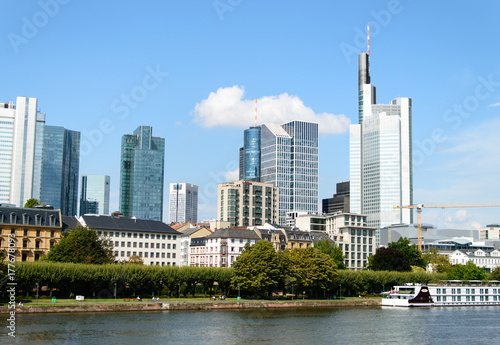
(372, 325)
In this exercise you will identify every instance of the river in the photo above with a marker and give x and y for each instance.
(369, 325)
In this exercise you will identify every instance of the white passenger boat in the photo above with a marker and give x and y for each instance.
(409, 295)
(446, 293)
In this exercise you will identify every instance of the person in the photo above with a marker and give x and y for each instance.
(138, 298)
(20, 303)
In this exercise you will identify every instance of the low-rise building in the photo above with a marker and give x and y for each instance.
(29, 233)
(197, 252)
(223, 246)
(153, 241)
(310, 222)
(486, 259)
(490, 232)
(187, 234)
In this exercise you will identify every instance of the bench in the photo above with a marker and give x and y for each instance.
(131, 299)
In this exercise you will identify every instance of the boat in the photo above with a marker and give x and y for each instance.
(444, 293)
(409, 295)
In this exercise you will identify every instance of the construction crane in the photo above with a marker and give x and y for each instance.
(419, 208)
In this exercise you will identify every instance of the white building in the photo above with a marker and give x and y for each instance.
(381, 156)
(355, 238)
(183, 203)
(224, 246)
(153, 241)
(487, 259)
(490, 232)
(21, 133)
(289, 160)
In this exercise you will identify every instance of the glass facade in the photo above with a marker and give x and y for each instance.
(142, 173)
(60, 169)
(289, 160)
(94, 195)
(183, 203)
(251, 153)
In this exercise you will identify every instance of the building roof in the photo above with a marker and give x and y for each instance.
(234, 233)
(317, 236)
(277, 130)
(18, 216)
(190, 231)
(100, 222)
(70, 222)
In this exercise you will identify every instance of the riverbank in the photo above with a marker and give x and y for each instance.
(77, 307)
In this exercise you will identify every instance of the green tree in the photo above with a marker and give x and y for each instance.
(31, 203)
(389, 259)
(134, 259)
(469, 271)
(81, 245)
(311, 270)
(439, 263)
(411, 250)
(495, 274)
(257, 269)
(332, 250)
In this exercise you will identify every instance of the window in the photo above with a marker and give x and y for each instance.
(173, 255)
(134, 244)
(129, 234)
(128, 253)
(123, 234)
(157, 236)
(128, 244)
(168, 245)
(173, 246)
(52, 234)
(163, 237)
(117, 243)
(157, 246)
(146, 235)
(174, 237)
(122, 253)
(163, 246)
(146, 245)
(135, 234)
(169, 237)
(25, 232)
(141, 235)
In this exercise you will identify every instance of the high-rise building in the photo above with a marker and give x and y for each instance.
(251, 154)
(380, 156)
(289, 160)
(340, 201)
(94, 195)
(141, 178)
(60, 169)
(183, 203)
(245, 203)
(22, 134)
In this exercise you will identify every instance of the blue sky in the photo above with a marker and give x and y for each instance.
(191, 69)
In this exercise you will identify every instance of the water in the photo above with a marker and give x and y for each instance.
(454, 325)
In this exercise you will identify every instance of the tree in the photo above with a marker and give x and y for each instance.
(31, 203)
(257, 269)
(411, 250)
(332, 250)
(81, 245)
(311, 270)
(438, 262)
(495, 274)
(134, 259)
(389, 259)
(469, 271)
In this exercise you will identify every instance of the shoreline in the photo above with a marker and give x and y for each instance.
(202, 305)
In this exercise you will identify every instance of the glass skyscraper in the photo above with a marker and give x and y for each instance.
(22, 135)
(141, 178)
(251, 154)
(183, 203)
(94, 195)
(60, 169)
(289, 160)
(381, 172)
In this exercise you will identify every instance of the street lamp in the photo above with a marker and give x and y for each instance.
(114, 293)
(179, 292)
(239, 292)
(36, 292)
(340, 291)
(161, 285)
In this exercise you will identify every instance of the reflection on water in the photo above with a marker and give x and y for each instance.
(458, 325)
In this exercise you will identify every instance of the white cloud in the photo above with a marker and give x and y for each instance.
(495, 104)
(232, 175)
(226, 107)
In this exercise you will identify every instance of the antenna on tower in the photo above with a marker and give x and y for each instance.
(255, 112)
(368, 38)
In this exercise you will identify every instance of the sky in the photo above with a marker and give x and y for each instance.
(192, 69)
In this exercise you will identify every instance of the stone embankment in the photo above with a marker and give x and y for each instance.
(159, 306)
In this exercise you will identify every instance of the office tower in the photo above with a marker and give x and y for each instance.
(183, 203)
(340, 201)
(251, 154)
(380, 156)
(289, 160)
(21, 134)
(240, 170)
(94, 195)
(60, 169)
(245, 203)
(141, 174)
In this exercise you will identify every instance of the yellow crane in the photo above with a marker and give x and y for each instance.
(419, 208)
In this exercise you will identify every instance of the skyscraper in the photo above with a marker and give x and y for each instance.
(94, 195)
(141, 174)
(381, 174)
(183, 203)
(289, 160)
(251, 154)
(21, 134)
(60, 169)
